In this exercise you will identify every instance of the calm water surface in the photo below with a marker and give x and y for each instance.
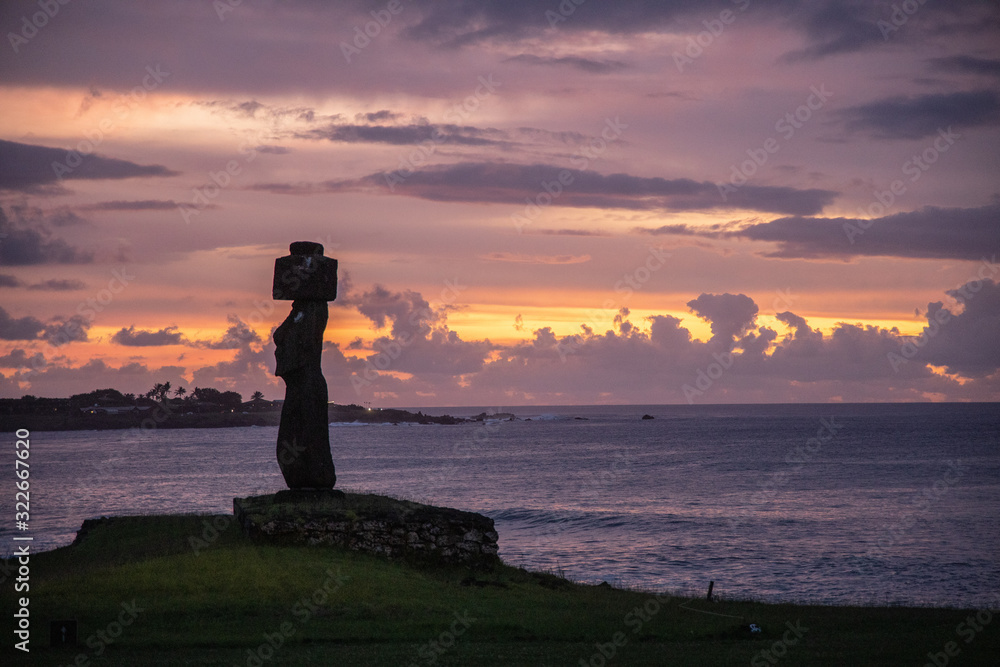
(867, 504)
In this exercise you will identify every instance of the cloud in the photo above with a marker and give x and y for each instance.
(59, 285)
(730, 315)
(19, 328)
(584, 64)
(513, 183)
(534, 259)
(58, 331)
(967, 343)
(922, 116)
(66, 380)
(405, 135)
(378, 116)
(132, 338)
(141, 205)
(968, 65)
(928, 233)
(61, 330)
(237, 336)
(7, 280)
(25, 166)
(830, 27)
(419, 340)
(17, 358)
(250, 370)
(27, 240)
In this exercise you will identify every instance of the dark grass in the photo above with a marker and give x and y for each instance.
(220, 604)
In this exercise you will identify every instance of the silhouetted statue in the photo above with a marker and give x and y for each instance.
(309, 280)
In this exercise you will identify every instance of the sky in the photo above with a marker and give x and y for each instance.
(546, 202)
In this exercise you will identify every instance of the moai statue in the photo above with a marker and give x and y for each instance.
(308, 280)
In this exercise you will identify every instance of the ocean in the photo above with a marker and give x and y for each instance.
(866, 504)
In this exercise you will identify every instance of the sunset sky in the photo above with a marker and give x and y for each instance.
(535, 202)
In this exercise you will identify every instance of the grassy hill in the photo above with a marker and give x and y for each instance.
(180, 590)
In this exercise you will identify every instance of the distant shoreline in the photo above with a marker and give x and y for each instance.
(171, 420)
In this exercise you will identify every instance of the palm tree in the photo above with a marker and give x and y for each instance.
(179, 392)
(257, 396)
(159, 391)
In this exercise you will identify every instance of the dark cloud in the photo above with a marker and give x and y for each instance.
(26, 239)
(831, 27)
(730, 315)
(59, 285)
(378, 116)
(237, 336)
(294, 46)
(273, 150)
(419, 340)
(258, 110)
(9, 281)
(968, 65)
(406, 312)
(966, 343)
(404, 135)
(576, 62)
(132, 338)
(513, 183)
(72, 330)
(922, 116)
(25, 166)
(140, 205)
(19, 328)
(928, 233)
(17, 358)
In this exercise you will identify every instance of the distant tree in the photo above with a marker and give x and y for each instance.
(231, 399)
(207, 395)
(257, 396)
(227, 399)
(179, 392)
(99, 396)
(159, 391)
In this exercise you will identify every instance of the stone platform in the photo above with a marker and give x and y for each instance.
(398, 529)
